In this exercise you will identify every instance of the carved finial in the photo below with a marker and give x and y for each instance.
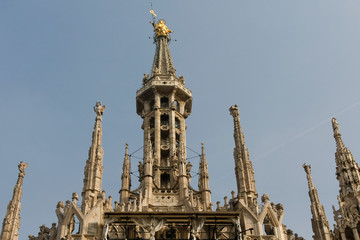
(22, 167)
(307, 168)
(337, 135)
(99, 109)
(234, 110)
(265, 198)
(127, 149)
(335, 126)
(60, 204)
(202, 149)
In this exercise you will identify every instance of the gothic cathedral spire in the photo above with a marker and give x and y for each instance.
(164, 103)
(243, 167)
(204, 188)
(125, 178)
(11, 223)
(347, 173)
(319, 222)
(94, 165)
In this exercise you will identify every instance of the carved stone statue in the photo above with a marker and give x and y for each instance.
(75, 197)
(234, 111)
(99, 109)
(53, 232)
(335, 126)
(182, 79)
(22, 167)
(108, 205)
(265, 198)
(188, 167)
(44, 233)
(141, 170)
(145, 78)
(161, 29)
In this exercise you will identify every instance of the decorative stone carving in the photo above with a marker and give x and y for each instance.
(99, 109)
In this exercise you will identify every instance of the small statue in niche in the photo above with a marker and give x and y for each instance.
(141, 171)
(188, 169)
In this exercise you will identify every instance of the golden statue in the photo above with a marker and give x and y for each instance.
(161, 29)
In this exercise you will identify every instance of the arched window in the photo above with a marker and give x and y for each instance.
(164, 119)
(165, 180)
(164, 102)
(152, 103)
(177, 107)
(177, 123)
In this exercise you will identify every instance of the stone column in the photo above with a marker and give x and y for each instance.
(157, 140)
(343, 236)
(172, 115)
(157, 129)
(355, 233)
(183, 180)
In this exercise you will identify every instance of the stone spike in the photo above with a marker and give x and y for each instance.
(320, 224)
(203, 184)
(11, 223)
(127, 149)
(243, 166)
(125, 178)
(94, 165)
(202, 150)
(337, 135)
(348, 175)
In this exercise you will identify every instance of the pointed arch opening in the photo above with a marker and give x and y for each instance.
(164, 101)
(165, 180)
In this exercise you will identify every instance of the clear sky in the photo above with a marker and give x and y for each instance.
(289, 65)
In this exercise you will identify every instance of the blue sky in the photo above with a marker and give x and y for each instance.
(289, 65)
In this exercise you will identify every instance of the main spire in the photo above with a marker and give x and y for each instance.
(94, 165)
(320, 224)
(164, 103)
(11, 223)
